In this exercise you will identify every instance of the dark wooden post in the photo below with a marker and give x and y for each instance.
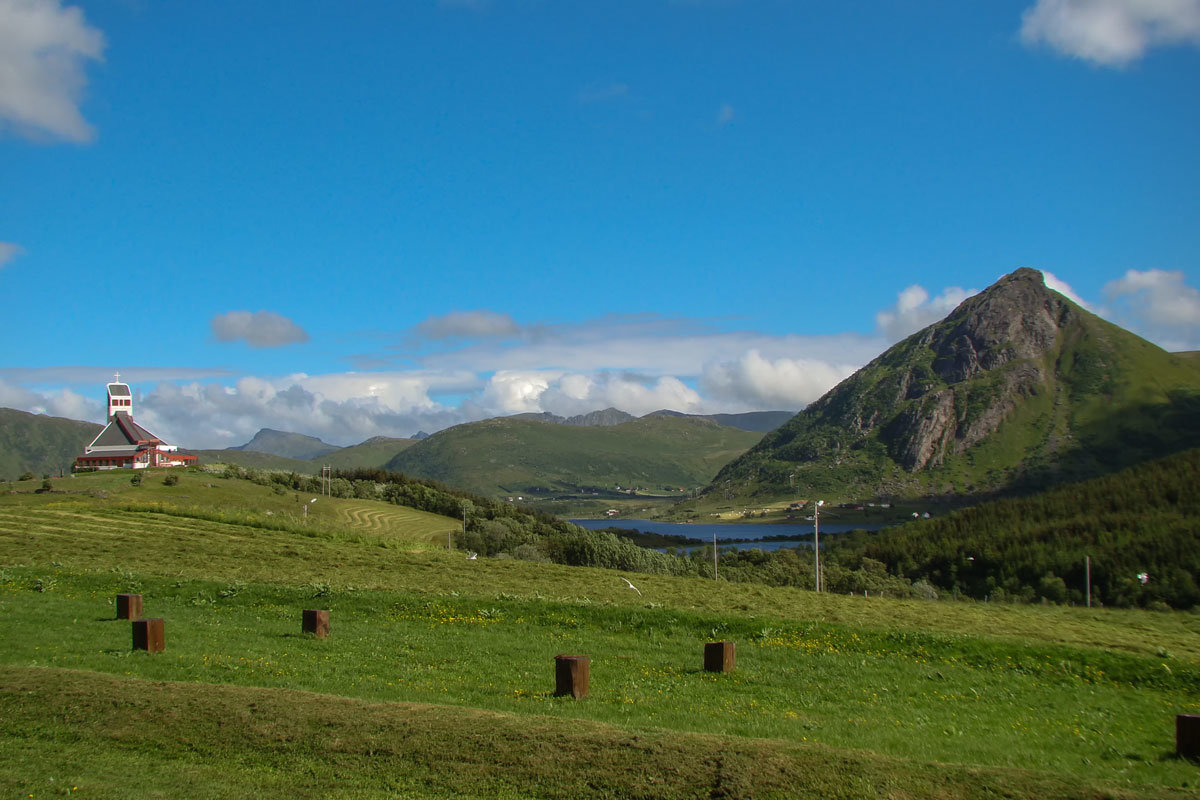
(129, 606)
(316, 622)
(1187, 735)
(148, 635)
(571, 675)
(719, 656)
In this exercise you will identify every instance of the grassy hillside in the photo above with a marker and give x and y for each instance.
(437, 679)
(40, 444)
(506, 456)
(373, 453)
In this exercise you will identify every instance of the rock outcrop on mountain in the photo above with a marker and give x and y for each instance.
(1018, 385)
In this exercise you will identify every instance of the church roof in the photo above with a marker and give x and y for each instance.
(119, 390)
(122, 431)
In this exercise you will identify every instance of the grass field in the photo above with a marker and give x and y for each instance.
(437, 679)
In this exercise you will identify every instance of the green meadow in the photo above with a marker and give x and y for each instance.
(438, 677)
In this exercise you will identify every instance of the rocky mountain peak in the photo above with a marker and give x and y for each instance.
(1015, 318)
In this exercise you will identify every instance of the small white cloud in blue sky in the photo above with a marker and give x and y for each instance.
(44, 49)
(1157, 304)
(1111, 32)
(1055, 283)
(8, 251)
(915, 309)
(257, 329)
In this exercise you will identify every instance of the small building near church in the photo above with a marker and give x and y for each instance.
(123, 444)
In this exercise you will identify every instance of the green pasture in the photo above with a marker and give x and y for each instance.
(438, 677)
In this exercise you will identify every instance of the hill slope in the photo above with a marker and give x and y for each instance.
(38, 443)
(1017, 387)
(506, 456)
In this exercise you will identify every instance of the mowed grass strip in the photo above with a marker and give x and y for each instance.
(100, 538)
(918, 697)
(81, 734)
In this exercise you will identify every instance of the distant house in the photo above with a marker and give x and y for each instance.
(123, 444)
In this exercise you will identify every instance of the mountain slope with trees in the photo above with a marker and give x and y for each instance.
(1143, 521)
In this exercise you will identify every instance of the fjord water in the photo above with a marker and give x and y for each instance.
(725, 532)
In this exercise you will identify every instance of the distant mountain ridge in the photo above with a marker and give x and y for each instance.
(1018, 386)
(287, 445)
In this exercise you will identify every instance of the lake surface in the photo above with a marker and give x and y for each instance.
(725, 532)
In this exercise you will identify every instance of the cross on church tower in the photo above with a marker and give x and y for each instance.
(119, 397)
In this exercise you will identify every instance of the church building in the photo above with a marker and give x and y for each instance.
(123, 444)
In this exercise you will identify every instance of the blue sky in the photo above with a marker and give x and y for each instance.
(390, 217)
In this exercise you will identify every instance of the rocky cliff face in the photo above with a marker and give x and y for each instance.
(1016, 378)
(1008, 330)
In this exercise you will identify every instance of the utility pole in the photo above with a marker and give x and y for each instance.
(817, 541)
(1088, 565)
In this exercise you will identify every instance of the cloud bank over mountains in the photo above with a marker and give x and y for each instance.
(469, 365)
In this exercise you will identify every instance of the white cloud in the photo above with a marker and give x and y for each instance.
(340, 409)
(1111, 32)
(258, 329)
(755, 382)
(915, 309)
(60, 403)
(44, 48)
(468, 325)
(1055, 283)
(8, 252)
(578, 394)
(1157, 304)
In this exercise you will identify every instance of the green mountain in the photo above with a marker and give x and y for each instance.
(508, 456)
(1017, 388)
(41, 444)
(374, 452)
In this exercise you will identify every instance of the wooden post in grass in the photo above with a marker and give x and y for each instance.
(148, 635)
(316, 622)
(571, 675)
(1187, 735)
(719, 656)
(129, 606)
